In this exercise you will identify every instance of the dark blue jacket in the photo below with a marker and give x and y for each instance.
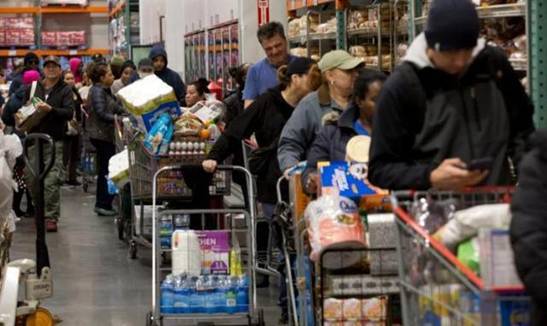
(169, 76)
(14, 103)
(330, 143)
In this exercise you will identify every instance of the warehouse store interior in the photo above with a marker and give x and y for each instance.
(273, 162)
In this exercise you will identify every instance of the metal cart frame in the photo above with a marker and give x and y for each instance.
(254, 315)
(413, 236)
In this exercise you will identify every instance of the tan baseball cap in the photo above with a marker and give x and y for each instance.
(338, 59)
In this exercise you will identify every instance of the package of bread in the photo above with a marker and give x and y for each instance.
(351, 309)
(374, 309)
(332, 310)
(358, 51)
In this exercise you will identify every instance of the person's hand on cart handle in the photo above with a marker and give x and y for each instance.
(209, 165)
(452, 174)
(312, 183)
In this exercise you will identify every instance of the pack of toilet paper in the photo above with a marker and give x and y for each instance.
(148, 98)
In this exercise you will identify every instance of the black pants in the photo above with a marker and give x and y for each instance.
(71, 156)
(105, 150)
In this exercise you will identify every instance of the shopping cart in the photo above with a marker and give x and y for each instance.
(283, 221)
(435, 285)
(226, 221)
(88, 160)
(171, 186)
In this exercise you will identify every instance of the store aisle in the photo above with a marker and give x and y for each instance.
(95, 283)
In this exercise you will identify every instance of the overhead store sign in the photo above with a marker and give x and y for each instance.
(263, 12)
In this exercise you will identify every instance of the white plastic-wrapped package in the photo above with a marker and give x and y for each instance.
(467, 223)
(186, 253)
(118, 168)
(148, 98)
(334, 222)
(10, 149)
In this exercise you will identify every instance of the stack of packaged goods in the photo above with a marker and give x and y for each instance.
(207, 275)
(479, 237)
(16, 31)
(64, 2)
(353, 311)
(64, 39)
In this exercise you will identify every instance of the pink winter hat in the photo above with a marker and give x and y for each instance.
(30, 76)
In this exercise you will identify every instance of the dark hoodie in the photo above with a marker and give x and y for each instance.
(266, 118)
(425, 116)
(15, 102)
(169, 76)
(529, 226)
(17, 81)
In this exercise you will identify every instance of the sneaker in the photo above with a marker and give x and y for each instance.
(51, 225)
(105, 212)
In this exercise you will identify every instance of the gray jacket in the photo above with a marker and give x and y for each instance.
(303, 126)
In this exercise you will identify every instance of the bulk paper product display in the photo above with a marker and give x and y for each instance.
(148, 98)
(185, 253)
(334, 222)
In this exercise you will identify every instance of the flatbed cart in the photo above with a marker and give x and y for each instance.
(226, 220)
(435, 284)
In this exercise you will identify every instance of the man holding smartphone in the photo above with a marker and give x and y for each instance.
(453, 114)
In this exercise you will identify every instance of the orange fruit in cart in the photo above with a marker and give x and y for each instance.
(204, 134)
(42, 317)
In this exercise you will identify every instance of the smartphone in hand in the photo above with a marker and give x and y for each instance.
(480, 164)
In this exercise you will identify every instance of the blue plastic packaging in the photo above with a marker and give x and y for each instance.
(167, 295)
(158, 139)
(242, 296)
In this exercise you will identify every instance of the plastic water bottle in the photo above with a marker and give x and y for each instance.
(219, 300)
(196, 298)
(208, 294)
(166, 231)
(181, 301)
(242, 295)
(167, 295)
(181, 221)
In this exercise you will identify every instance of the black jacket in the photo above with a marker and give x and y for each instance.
(424, 116)
(234, 106)
(61, 100)
(330, 143)
(15, 102)
(529, 224)
(101, 114)
(169, 76)
(266, 118)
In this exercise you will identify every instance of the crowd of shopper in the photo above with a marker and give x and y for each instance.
(452, 101)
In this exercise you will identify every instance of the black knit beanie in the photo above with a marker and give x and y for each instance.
(452, 25)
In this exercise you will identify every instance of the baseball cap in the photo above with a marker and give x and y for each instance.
(299, 66)
(53, 59)
(452, 25)
(338, 59)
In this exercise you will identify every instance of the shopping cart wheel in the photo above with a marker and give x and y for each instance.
(150, 320)
(133, 250)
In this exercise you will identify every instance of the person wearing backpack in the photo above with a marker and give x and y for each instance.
(453, 114)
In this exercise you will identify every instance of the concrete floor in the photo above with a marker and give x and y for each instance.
(95, 283)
